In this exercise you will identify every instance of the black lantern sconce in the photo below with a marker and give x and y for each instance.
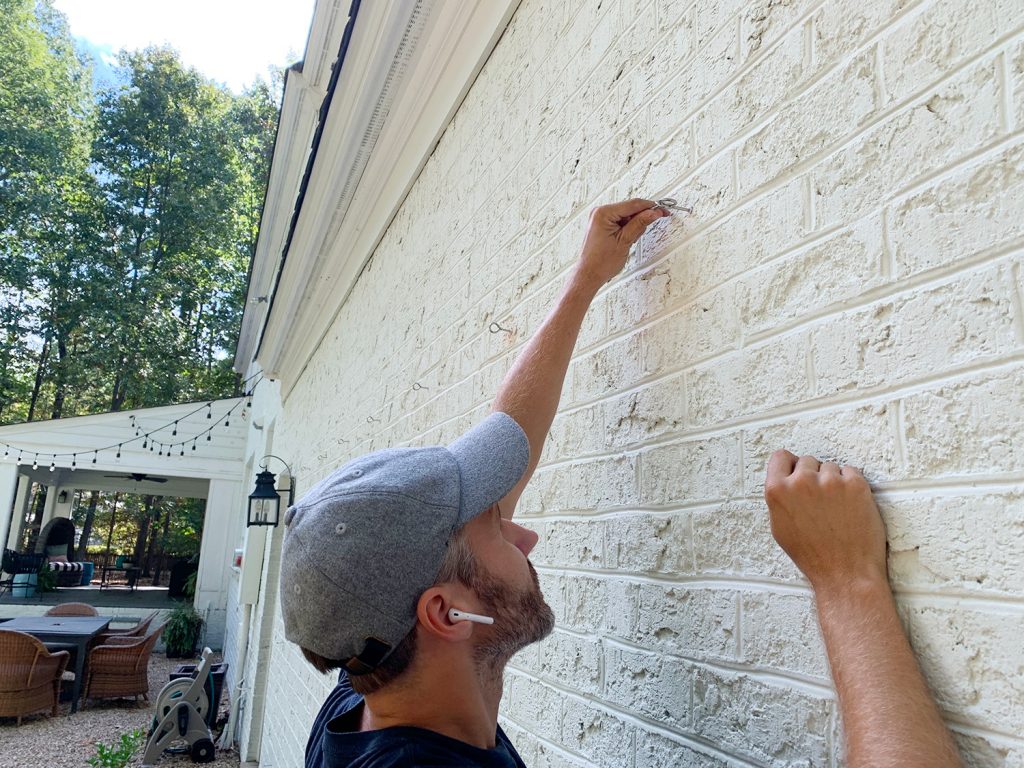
(62, 497)
(265, 501)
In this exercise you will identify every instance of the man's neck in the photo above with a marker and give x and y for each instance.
(459, 703)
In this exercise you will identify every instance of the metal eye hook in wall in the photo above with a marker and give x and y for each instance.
(370, 420)
(672, 204)
(495, 328)
(417, 387)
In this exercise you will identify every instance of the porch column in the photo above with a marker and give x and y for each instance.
(8, 490)
(215, 554)
(63, 510)
(21, 503)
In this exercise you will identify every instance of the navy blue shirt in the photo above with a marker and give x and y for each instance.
(337, 742)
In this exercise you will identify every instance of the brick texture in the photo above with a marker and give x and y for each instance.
(849, 285)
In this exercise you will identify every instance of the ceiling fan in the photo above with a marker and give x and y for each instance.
(138, 477)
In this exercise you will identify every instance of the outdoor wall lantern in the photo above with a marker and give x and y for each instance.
(265, 501)
(62, 497)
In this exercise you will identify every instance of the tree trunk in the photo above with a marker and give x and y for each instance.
(90, 515)
(140, 540)
(163, 543)
(44, 353)
(154, 534)
(113, 516)
(60, 380)
(38, 505)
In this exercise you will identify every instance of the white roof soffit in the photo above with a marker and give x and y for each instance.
(305, 87)
(408, 66)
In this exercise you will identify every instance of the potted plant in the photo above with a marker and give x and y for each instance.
(181, 634)
(46, 580)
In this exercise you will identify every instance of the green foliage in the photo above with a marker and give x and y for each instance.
(127, 224)
(117, 754)
(182, 630)
(46, 581)
(190, 584)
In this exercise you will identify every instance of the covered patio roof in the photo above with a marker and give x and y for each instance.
(174, 450)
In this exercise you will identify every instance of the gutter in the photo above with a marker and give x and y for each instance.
(325, 107)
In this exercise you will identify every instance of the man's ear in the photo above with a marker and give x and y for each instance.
(432, 612)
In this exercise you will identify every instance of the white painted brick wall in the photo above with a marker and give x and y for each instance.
(849, 285)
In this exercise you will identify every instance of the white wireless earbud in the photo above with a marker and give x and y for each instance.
(456, 615)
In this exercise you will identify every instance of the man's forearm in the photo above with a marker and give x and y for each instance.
(532, 388)
(888, 713)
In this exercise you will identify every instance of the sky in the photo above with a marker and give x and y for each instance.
(229, 41)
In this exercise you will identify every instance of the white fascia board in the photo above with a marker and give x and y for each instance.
(305, 88)
(335, 237)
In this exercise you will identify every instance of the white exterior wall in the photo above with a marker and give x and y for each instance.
(849, 286)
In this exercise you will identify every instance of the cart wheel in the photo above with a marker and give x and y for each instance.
(203, 751)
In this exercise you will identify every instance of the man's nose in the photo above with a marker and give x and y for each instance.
(525, 539)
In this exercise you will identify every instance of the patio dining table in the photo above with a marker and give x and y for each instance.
(71, 630)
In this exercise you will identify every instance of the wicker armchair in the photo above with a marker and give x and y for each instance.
(120, 667)
(72, 609)
(30, 676)
(139, 630)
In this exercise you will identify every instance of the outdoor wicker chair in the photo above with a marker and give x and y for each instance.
(120, 667)
(72, 609)
(30, 675)
(138, 630)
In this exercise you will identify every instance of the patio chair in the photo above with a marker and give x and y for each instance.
(30, 675)
(16, 563)
(137, 631)
(120, 667)
(72, 609)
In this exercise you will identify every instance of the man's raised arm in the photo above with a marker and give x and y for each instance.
(826, 520)
(532, 388)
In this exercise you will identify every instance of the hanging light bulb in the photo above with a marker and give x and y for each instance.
(248, 399)
(74, 464)
(208, 437)
(226, 422)
(7, 450)
(175, 429)
(95, 454)
(119, 450)
(209, 410)
(35, 462)
(182, 450)
(19, 456)
(53, 463)
(145, 442)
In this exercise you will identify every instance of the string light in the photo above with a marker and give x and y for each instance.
(147, 442)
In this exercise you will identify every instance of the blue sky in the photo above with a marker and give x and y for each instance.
(230, 41)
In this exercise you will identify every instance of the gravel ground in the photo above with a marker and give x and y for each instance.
(68, 740)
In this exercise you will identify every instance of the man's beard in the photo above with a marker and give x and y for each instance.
(521, 617)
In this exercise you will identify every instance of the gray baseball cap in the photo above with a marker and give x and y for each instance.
(364, 543)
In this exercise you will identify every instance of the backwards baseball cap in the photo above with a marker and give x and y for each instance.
(364, 543)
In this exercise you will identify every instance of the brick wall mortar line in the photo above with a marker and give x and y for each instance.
(819, 406)
(635, 720)
(1017, 292)
(1002, 739)
(989, 600)
(845, 401)
(1005, 81)
(819, 687)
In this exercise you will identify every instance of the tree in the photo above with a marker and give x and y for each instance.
(45, 135)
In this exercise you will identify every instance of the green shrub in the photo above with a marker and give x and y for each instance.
(117, 755)
(182, 631)
(47, 579)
